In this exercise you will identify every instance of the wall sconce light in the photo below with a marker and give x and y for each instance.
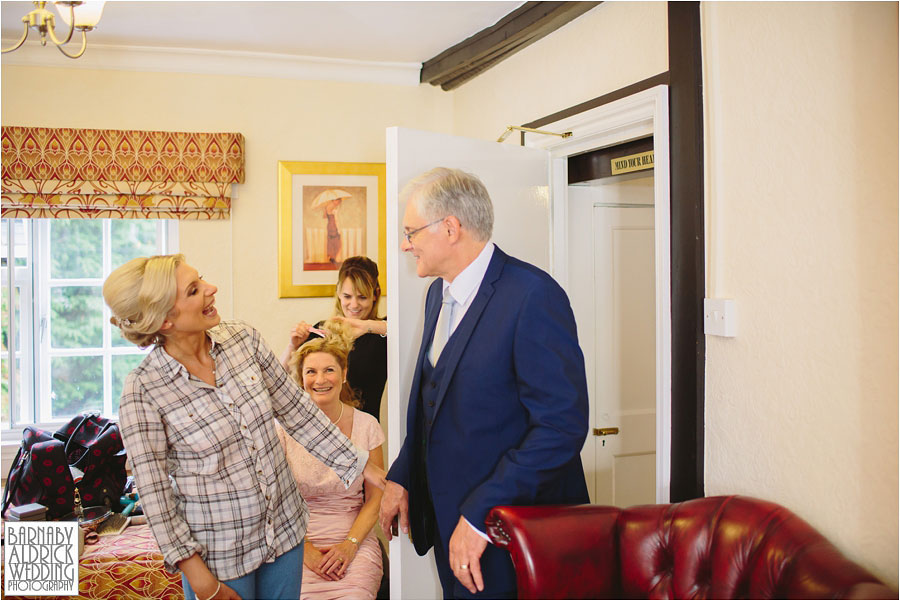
(84, 19)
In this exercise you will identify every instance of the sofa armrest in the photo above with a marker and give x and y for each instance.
(559, 551)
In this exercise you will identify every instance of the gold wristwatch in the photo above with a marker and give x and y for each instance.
(353, 540)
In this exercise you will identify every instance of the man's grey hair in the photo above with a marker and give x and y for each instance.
(441, 192)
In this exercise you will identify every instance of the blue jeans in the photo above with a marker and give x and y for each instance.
(277, 580)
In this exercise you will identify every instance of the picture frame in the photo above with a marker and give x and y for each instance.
(327, 212)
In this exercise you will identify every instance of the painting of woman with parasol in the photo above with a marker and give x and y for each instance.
(327, 244)
(331, 200)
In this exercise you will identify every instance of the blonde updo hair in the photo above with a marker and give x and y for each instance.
(338, 343)
(140, 294)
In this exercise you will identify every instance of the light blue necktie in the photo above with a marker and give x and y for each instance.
(442, 329)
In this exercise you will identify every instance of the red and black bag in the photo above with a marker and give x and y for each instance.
(93, 446)
(40, 474)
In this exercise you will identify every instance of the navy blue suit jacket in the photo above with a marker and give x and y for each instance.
(511, 414)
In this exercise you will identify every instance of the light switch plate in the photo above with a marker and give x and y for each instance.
(719, 317)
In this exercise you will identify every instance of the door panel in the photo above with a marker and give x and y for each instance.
(625, 309)
(610, 232)
(517, 179)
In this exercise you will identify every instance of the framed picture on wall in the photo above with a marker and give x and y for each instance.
(326, 213)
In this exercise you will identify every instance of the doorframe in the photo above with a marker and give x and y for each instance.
(638, 115)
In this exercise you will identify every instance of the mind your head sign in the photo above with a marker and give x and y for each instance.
(633, 162)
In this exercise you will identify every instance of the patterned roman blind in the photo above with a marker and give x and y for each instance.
(106, 173)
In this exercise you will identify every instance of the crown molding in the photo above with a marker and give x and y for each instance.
(217, 62)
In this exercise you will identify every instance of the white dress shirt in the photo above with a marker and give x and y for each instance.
(466, 284)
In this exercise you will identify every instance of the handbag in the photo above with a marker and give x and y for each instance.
(40, 474)
(94, 450)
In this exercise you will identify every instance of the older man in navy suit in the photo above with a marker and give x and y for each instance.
(498, 410)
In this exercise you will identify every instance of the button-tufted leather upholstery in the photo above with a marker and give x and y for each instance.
(711, 548)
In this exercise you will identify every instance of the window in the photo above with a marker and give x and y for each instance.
(60, 354)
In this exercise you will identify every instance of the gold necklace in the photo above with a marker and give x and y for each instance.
(339, 416)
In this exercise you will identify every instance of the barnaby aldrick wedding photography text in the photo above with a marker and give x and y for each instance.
(41, 559)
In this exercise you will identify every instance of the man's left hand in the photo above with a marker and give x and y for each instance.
(466, 547)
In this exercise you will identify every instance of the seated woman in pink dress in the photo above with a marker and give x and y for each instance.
(341, 558)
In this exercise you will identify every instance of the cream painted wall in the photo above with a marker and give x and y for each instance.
(801, 145)
(280, 120)
(611, 46)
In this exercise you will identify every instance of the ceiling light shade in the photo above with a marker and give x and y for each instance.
(84, 14)
(87, 14)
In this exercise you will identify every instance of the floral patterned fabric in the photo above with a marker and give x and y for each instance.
(124, 566)
(101, 173)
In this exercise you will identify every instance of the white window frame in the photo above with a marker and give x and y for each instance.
(35, 350)
(20, 278)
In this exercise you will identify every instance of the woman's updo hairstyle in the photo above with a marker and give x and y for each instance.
(140, 294)
(338, 343)
(363, 274)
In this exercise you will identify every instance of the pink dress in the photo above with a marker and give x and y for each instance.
(332, 510)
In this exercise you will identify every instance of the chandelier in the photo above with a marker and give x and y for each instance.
(83, 18)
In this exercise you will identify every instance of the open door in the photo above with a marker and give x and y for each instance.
(517, 179)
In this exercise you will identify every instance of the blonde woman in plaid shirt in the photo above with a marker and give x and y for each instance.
(197, 420)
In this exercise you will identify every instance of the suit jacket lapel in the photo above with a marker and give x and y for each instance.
(463, 332)
(432, 308)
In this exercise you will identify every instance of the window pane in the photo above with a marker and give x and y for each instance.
(20, 323)
(121, 365)
(76, 317)
(6, 357)
(76, 248)
(4, 242)
(132, 238)
(4, 389)
(5, 407)
(116, 337)
(20, 242)
(4, 316)
(76, 385)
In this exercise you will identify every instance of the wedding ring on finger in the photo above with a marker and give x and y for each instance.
(463, 566)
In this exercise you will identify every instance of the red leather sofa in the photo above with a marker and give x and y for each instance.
(710, 548)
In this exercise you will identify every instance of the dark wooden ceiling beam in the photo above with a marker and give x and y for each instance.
(520, 28)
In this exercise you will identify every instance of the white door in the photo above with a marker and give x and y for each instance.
(636, 116)
(613, 289)
(517, 180)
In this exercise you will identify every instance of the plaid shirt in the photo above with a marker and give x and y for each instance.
(210, 470)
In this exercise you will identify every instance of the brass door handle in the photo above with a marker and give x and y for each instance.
(605, 431)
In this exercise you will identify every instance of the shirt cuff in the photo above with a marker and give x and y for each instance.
(180, 552)
(480, 533)
(362, 460)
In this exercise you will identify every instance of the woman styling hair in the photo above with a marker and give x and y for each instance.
(356, 303)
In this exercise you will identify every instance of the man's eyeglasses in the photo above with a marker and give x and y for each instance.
(410, 234)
